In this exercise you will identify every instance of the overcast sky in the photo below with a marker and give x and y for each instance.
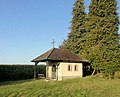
(27, 27)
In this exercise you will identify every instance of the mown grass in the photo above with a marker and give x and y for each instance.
(78, 87)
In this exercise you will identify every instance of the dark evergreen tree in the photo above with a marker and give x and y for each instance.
(102, 47)
(75, 39)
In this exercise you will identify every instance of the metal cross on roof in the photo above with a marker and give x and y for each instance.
(53, 43)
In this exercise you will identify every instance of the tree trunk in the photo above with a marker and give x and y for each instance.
(93, 73)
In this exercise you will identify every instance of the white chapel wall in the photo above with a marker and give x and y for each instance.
(72, 73)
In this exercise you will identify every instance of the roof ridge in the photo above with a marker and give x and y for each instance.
(50, 53)
(71, 52)
(80, 56)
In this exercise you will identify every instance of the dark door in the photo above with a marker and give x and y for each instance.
(54, 72)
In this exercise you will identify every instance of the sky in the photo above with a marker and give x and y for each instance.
(28, 27)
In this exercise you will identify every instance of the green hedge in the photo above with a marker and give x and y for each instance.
(19, 72)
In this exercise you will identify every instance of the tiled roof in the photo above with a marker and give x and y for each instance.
(59, 55)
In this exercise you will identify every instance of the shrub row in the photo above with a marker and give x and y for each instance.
(19, 72)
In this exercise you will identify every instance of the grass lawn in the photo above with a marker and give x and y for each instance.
(79, 87)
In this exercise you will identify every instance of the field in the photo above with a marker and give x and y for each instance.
(79, 87)
(19, 72)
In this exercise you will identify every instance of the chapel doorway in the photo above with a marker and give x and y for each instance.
(53, 72)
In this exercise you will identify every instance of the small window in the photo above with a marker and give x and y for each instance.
(76, 67)
(69, 68)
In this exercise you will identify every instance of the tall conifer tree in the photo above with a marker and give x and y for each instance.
(75, 38)
(102, 40)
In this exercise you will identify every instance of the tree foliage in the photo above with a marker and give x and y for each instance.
(95, 35)
(76, 37)
(102, 39)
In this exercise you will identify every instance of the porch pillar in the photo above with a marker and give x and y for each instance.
(47, 70)
(82, 70)
(57, 72)
(35, 70)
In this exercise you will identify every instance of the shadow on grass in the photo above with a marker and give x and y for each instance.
(15, 82)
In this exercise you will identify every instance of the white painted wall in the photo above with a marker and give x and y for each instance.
(63, 73)
(59, 71)
(50, 72)
(71, 74)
